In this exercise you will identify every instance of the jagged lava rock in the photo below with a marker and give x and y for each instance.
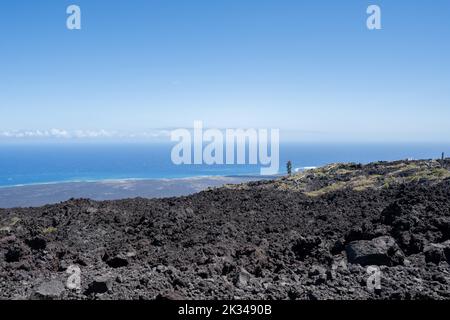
(379, 251)
(50, 290)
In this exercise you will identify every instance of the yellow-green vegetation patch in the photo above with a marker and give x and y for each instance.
(7, 225)
(344, 171)
(430, 174)
(441, 173)
(49, 230)
(14, 221)
(284, 186)
(362, 183)
(333, 187)
(359, 183)
(389, 182)
(396, 166)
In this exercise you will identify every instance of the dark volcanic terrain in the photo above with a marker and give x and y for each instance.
(314, 235)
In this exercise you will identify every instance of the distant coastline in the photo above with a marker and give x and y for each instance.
(49, 164)
(120, 180)
(39, 194)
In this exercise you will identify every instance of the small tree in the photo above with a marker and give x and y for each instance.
(289, 167)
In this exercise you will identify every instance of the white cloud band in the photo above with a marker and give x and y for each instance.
(81, 134)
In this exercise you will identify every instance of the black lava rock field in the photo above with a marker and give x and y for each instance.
(344, 231)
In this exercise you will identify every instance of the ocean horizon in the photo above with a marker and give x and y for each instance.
(52, 163)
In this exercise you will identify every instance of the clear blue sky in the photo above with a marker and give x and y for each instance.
(310, 68)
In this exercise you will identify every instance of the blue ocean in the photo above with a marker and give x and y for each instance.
(23, 164)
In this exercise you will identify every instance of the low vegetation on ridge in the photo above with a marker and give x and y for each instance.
(358, 177)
